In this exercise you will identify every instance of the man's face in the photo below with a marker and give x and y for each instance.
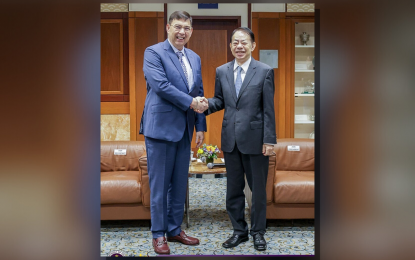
(179, 32)
(241, 46)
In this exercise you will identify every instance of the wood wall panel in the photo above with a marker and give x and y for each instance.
(268, 15)
(111, 56)
(228, 23)
(267, 30)
(131, 69)
(114, 57)
(115, 98)
(145, 29)
(300, 14)
(281, 99)
(290, 65)
(211, 46)
(276, 31)
(255, 30)
(109, 108)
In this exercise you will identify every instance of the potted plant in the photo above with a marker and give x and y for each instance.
(210, 152)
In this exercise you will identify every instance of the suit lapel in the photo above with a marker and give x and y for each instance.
(193, 65)
(249, 74)
(230, 77)
(175, 61)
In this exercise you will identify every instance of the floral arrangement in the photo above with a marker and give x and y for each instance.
(208, 151)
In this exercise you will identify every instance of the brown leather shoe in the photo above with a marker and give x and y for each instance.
(160, 246)
(184, 239)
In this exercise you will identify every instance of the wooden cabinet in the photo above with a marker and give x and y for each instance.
(304, 89)
(124, 37)
(114, 57)
(299, 75)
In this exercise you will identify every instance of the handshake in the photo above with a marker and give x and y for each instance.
(200, 104)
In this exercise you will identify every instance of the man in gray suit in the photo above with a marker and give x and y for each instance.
(244, 87)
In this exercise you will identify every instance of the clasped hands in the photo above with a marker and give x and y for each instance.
(200, 104)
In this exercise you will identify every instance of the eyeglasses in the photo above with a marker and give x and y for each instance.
(179, 28)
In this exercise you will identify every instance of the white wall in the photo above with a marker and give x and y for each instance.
(147, 7)
(223, 10)
(268, 7)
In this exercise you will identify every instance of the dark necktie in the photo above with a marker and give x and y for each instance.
(180, 55)
(238, 82)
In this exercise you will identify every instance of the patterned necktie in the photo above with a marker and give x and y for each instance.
(180, 55)
(238, 82)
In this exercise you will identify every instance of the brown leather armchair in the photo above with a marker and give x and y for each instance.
(290, 182)
(125, 191)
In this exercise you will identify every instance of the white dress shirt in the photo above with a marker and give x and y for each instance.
(244, 67)
(186, 64)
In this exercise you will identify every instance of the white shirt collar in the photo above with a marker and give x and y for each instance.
(175, 49)
(244, 66)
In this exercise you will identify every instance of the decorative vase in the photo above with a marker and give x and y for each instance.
(209, 160)
(304, 38)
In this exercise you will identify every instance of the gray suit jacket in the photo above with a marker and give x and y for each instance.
(249, 119)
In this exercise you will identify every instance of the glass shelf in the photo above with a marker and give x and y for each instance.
(303, 81)
(304, 122)
(304, 71)
(304, 46)
(304, 95)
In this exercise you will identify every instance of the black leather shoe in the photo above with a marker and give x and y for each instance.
(259, 242)
(235, 240)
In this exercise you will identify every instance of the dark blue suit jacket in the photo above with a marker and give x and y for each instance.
(166, 110)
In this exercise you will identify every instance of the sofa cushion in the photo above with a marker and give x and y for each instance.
(294, 187)
(120, 187)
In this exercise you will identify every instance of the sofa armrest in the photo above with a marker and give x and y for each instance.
(271, 179)
(145, 185)
(142, 164)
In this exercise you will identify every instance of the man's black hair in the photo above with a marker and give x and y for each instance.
(245, 30)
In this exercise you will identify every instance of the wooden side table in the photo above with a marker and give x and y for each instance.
(200, 168)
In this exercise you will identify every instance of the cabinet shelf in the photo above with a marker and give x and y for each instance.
(304, 70)
(303, 76)
(304, 95)
(304, 46)
(304, 122)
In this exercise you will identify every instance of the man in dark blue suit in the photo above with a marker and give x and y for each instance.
(174, 88)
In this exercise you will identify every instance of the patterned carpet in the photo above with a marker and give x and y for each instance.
(210, 223)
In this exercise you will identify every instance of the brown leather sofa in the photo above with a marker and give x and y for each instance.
(290, 183)
(125, 191)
